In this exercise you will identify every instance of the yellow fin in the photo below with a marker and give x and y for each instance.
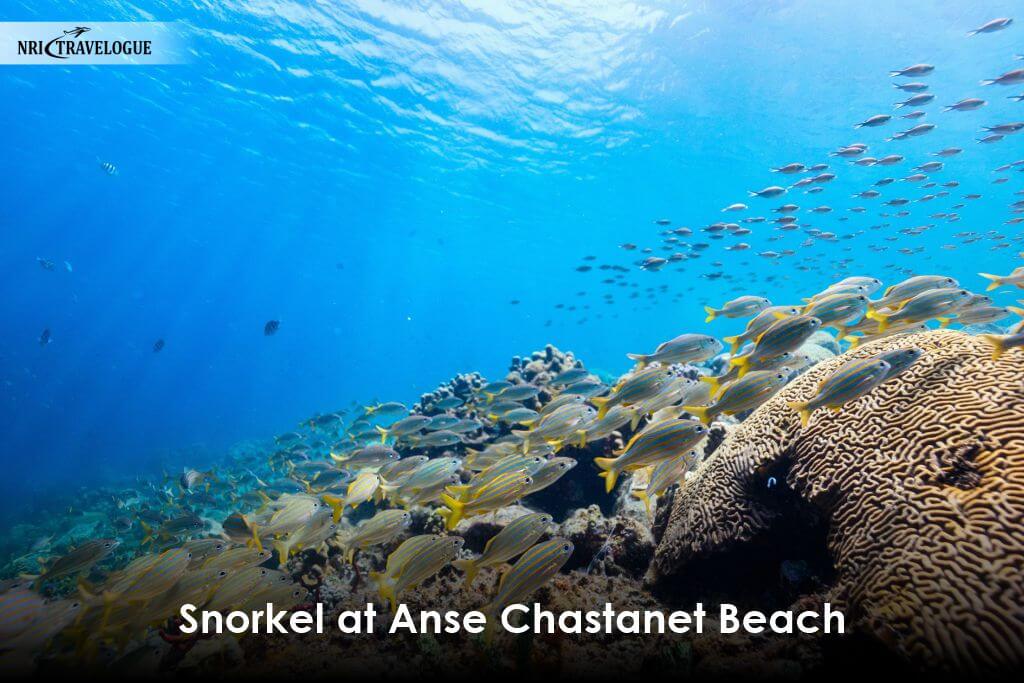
(802, 409)
(453, 515)
(609, 474)
(997, 281)
(702, 413)
(712, 314)
(642, 495)
(469, 568)
(998, 347)
(641, 360)
(602, 406)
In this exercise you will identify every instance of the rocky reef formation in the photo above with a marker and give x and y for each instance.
(916, 489)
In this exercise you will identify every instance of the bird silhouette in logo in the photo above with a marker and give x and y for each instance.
(75, 32)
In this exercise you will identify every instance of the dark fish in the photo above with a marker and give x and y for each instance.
(158, 346)
(271, 327)
(45, 337)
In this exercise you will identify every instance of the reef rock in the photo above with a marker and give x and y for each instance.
(920, 483)
(620, 545)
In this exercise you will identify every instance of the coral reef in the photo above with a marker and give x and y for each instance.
(920, 485)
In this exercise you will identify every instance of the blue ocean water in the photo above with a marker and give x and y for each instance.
(387, 178)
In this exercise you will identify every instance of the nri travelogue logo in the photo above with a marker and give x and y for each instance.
(67, 45)
(91, 43)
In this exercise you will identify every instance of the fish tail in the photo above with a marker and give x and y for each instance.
(609, 473)
(386, 589)
(370, 410)
(383, 432)
(712, 314)
(147, 533)
(337, 504)
(283, 549)
(453, 515)
(803, 409)
(458, 492)
(583, 437)
(256, 537)
(988, 81)
(635, 420)
(733, 342)
(602, 406)
(944, 322)
(741, 362)
(642, 495)
(996, 283)
(469, 568)
(641, 360)
(881, 318)
(714, 381)
(702, 413)
(998, 347)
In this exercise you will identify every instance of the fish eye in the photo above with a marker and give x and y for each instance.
(566, 548)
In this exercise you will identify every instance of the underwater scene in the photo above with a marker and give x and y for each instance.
(575, 338)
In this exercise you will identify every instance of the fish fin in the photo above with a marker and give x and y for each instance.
(997, 281)
(635, 420)
(147, 533)
(469, 568)
(642, 495)
(641, 360)
(712, 314)
(602, 406)
(998, 347)
(583, 438)
(1016, 310)
(609, 474)
(880, 318)
(383, 433)
(713, 380)
(944, 322)
(741, 362)
(458, 490)
(283, 549)
(802, 409)
(386, 589)
(453, 515)
(733, 342)
(337, 504)
(256, 537)
(702, 413)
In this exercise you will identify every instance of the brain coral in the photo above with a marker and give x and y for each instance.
(922, 485)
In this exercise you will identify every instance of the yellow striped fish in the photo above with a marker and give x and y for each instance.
(746, 393)
(531, 571)
(514, 539)
(851, 381)
(661, 440)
